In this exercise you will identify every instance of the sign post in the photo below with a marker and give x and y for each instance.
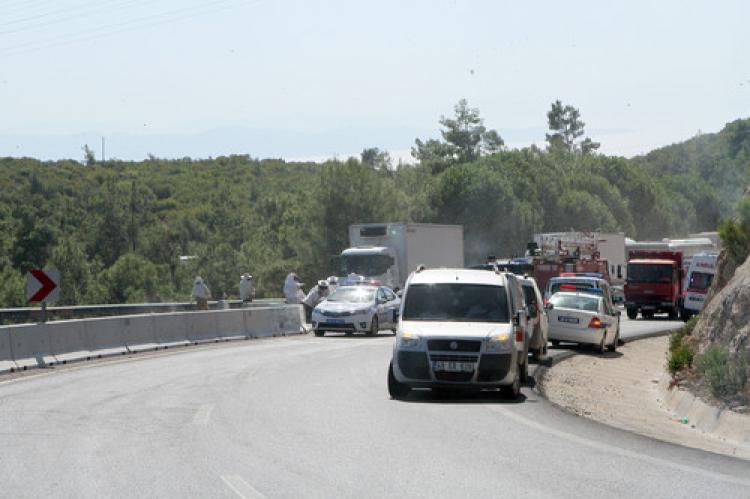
(42, 286)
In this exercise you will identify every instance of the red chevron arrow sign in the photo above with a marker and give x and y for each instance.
(42, 285)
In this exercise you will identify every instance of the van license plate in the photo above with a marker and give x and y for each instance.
(569, 320)
(453, 367)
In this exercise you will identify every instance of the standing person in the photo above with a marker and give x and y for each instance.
(316, 295)
(246, 288)
(333, 283)
(201, 293)
(293, 289)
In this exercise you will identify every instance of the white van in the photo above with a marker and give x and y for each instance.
(700, 275)
(460, 329)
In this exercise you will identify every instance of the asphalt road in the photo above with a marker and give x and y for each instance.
(311, 417)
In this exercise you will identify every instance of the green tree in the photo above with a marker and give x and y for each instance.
(377, 159)
(566, 126)
(79, 284)
(133, 279)
(465, 139)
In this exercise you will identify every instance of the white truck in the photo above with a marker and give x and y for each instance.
(389, 252)
(699, 277)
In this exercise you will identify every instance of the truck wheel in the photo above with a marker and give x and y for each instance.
(396, 389)
(672, 314)
(632, 314)
(647, 315)
(319, 332)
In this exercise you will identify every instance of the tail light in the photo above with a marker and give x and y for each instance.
(596, 323)
(519, 335)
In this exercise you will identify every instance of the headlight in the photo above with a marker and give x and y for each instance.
(498, 342)
(408, 340)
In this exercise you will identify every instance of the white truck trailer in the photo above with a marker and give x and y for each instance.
(389, 252)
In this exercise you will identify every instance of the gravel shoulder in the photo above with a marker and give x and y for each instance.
(621, 389)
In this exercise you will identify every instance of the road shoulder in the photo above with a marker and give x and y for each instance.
(622, 390)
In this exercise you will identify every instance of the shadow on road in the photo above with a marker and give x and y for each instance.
(448, 396)
(363, 336)
(587, 350)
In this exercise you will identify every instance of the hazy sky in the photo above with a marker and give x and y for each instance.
(313, 79)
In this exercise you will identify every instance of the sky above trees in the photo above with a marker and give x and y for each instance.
(299, 79)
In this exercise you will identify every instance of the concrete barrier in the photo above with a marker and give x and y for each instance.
(231, 324)
(138, 333)
(38, 345)
(106, 337)
(67, 340)
(170, 330)
(6, 355)
(202, 327)
(30, 346)
(260, 323)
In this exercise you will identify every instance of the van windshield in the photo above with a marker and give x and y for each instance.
(700, 281)
(456, 303)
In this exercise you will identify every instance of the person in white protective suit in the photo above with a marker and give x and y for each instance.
(293, 289)
(333, 283)
(316, 295)
(200, 293)
(246, 287)
(354, 278)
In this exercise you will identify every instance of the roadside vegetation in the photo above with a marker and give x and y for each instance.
(682, 348)
(117, 229)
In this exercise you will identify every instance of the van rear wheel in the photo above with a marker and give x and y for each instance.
(512, 391)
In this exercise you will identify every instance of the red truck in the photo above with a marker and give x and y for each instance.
(654, 283)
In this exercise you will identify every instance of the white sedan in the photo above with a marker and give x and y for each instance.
(361, 308)
(583, 318)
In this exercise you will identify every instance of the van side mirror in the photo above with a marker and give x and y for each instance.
(548, 307)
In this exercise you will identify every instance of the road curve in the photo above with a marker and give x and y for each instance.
(311, 417)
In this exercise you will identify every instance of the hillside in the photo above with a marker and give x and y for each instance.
(116, 229)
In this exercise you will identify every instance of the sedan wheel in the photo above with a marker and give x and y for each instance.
(319, 333)
(601, 347)
(613, 346)
(511, 392)
(374, 326)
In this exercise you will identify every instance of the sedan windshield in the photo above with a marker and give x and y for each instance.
(353, 294)
(576, 302)
(456, 303)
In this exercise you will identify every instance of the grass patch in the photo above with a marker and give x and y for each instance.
(681, 347)
(725, 374)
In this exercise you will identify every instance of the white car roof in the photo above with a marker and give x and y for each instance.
(573, 293)
(457, 276)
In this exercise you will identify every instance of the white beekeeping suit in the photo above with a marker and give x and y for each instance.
(200, 293)
(333, 283)
(246, 287)
(293, 289)
(316, 294)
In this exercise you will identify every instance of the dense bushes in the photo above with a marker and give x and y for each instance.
(725, 374)
(682, 347)
(116, 230)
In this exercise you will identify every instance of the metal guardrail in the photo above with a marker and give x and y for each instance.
(34, 314)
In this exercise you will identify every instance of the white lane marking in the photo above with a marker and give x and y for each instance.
(241, 487)
(203, 415)
(620, 451)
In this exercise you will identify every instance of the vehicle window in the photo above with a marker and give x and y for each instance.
(555, 286)
(456, 303)
(576, 302)
(381, 295)
(367, 265)
(700, 281)
(649, 273)
(530, 297)
(389, 295)
(353, 294)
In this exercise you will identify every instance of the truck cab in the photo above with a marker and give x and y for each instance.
(654, 283)
(374, 262)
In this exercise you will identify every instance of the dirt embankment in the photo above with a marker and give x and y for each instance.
(621, 389)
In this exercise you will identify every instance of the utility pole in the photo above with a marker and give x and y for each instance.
(103, 156)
